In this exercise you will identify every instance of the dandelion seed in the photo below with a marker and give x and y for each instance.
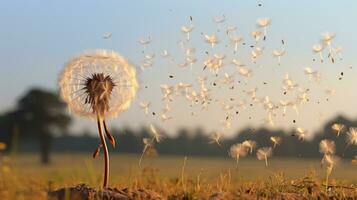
(231, 29)
(107, 35)
(338, 128)
(215, 138)
(330, 91)
(250, 144)
(300, 133)
(327, 38)
(145, 41)
(145, 106)
(352, 136)
(327, 146)
(245, 72)
(164, 117)
(219, 19)
(211, 39)
(256, 35)
(278, 54)
(264, 23)
(148, 143)
(264, 153)
(235, 40)
(156, 134)
(317, 48)
(99, 85)
(226, 124)
(255, 54)
(165, 54)
(338, 52)
(276, 141)
(237, 151)
(187, 30)
(214, 64)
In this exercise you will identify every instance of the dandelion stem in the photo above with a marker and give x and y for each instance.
(266, 161)
(327, 175)
(183, 173)
(106, 153)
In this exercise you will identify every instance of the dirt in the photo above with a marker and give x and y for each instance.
(84, 192)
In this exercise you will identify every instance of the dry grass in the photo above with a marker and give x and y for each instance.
(203, 177)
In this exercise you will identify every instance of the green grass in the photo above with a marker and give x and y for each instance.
(27, 176)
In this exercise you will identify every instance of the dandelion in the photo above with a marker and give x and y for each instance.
(278, 54)
(317, 48)
(352, 136)
(327, 146)
(215, 138)
(276, 140)
(250, 144)
(237, 151)
(264, 153)
(264, 23)
(100, 85)
(187, 30)
(338, 128)
(211, 39)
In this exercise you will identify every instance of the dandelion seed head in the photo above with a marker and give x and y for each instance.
(100, 82)
(352, 136)
(327, 146)
(238, 150)
(250, 144)
(264, 152)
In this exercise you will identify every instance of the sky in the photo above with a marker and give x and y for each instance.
(38, 37)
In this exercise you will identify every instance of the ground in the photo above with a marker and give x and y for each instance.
(23, 177)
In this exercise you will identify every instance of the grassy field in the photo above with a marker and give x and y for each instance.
(23, 177)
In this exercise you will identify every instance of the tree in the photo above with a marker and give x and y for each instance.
(41, 114)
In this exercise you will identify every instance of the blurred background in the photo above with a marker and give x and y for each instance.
(38, 38)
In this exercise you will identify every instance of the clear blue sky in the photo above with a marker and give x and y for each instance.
(38, 37)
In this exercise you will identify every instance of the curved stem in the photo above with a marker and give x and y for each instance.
(106, 154)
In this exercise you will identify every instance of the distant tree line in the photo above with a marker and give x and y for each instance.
(196, 142)
(39, 115)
